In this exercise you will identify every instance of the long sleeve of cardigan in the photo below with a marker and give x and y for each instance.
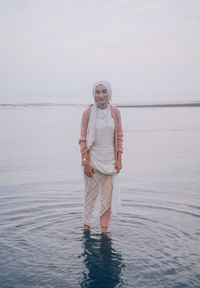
(82, 140)
(119, 133)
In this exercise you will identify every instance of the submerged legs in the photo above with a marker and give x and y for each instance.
(86, 228)
(105, 221)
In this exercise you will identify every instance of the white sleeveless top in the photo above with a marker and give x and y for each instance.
(103, 151)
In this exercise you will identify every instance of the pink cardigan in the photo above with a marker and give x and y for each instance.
(118, 130)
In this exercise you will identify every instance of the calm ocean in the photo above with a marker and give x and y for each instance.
(155, 239)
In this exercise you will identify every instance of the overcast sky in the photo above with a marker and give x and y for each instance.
(61, 47)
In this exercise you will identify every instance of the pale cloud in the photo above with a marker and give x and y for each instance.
(146, 7)
(116, 8)
(52, 16)
(136, 5)
(192, 23)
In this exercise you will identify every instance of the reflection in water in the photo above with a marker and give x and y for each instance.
(103, 264)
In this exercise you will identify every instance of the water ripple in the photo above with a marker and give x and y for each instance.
(43, 244)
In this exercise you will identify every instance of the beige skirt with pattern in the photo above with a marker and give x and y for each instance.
(98, 196)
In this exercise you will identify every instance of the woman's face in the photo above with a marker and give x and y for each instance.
(101, 96)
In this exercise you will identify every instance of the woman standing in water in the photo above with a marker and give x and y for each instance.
(101, 150)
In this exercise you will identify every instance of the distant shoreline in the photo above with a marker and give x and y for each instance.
(192, 104)
(147, 105)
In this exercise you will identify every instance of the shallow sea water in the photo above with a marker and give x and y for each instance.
(153, 242)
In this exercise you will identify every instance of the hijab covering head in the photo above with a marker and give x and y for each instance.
(90, 139)
(104, 83)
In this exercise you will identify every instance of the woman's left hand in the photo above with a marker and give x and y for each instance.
(118, 165)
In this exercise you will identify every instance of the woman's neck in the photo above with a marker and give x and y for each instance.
(102, 106)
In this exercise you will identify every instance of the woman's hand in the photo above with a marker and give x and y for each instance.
(118, 165)
(88, 169)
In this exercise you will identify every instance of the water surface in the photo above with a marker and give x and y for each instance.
(153, 242)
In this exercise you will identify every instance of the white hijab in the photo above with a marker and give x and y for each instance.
(90, 139)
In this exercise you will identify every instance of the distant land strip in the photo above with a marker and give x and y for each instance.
(129, 105)
(189, 104)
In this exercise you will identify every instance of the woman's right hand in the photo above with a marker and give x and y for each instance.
(88, 169)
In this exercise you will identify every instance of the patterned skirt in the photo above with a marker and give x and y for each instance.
(98, 196)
